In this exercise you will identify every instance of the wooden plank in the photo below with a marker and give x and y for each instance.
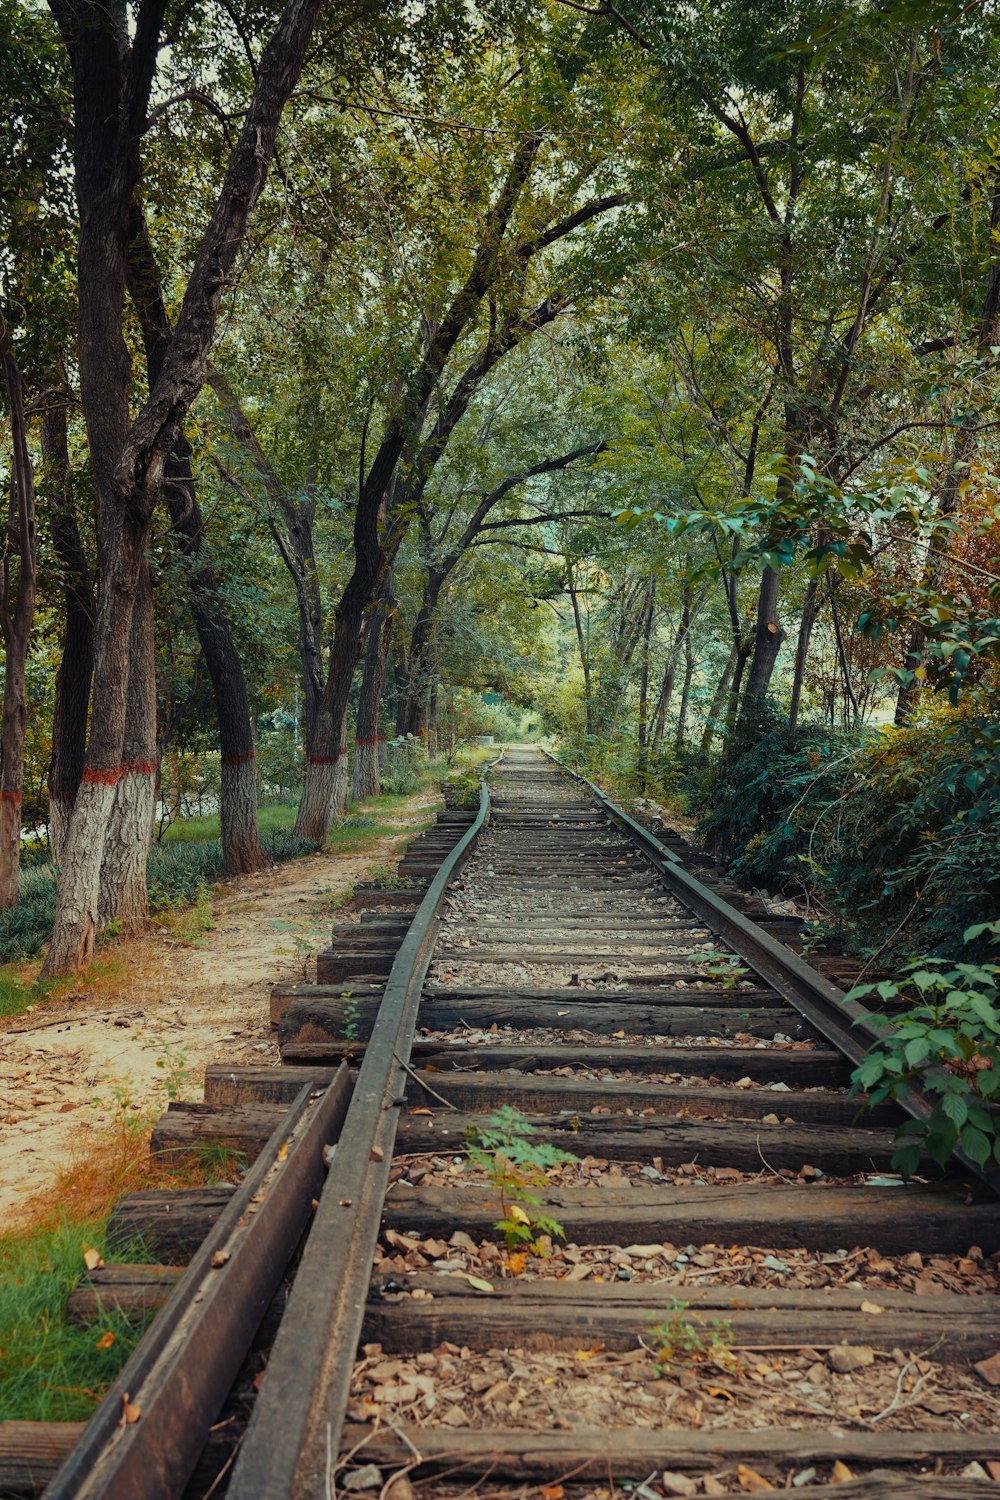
(282, 995)
(170, 1224)
(132, 1290)
(185, 1127)
(712, 1143)
(935, 1221)
(635, 1453)
(480, 1092)
(313, 1019)
(31, 1453)
(683, 992)
(335, 966)
(819, 1067)
(962, 1330)
(321, 1020)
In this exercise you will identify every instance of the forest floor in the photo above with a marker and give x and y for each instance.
(158, 1009)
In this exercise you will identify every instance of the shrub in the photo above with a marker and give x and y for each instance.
(895, 829)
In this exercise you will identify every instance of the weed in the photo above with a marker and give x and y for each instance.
(301, 946)
(516, 1165)
(683, 1338)
(178, 1076)
(726, 970)
(190, 926)
(947, 1045)
(352, 1016)
(216, 1162)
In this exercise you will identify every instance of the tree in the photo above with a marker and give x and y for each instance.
(112, 81)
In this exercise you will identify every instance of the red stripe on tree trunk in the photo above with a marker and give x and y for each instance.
(238, 760)
(139, 768)
(13, 797)
(101, 775)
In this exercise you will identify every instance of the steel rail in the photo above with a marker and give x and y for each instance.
(292, 1441)
(145, 1438)
(808, 991)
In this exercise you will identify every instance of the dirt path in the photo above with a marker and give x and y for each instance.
(164, 1008)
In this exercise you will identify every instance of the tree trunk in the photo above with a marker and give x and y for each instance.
(647, 630)
(72, 686)
(682, 716)
(801, 656)
(325, 782)
(111, 93)
(242, 850)
(367, 738)
(18, 613)
(718, 698)
(123, 894)
(768, 637)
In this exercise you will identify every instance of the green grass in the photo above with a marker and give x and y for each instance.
(275, 817)
(51, 1370)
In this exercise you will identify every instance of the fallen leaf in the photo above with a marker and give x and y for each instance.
(219, 1258)
(130, 1413)
(421, 1111)
(283, 1151)
(720, 1392)
(516, 1262)
(585, 1354)
(841, 1473)
(551, 1491)
(92, 1259)
(872, 1308)
(480, 1283)
(105, 1341)
(752, 1483)
(989, 1369)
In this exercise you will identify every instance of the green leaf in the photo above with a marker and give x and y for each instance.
(975, 1144)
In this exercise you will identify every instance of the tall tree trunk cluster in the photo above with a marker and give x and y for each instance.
(104, 848)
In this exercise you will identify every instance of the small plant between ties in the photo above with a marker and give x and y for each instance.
(517, 1166)
(725, 969)
(683, 1338)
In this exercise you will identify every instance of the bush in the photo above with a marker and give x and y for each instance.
(895, 829)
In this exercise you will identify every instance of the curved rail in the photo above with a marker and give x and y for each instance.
(298, 1416)
(144, 1440)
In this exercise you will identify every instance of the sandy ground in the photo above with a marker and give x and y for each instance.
(164, 1007)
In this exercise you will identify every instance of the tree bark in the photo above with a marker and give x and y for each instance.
(112, 78)
(801, 655)
(768, 637)
(367, 737)
(122, 897)
(647, 630)
(242, 850)
(72, 686)
(17, 610)
(718, 698)
(682, 716)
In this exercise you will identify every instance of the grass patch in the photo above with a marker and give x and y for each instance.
(51, 1370)
(275, 817)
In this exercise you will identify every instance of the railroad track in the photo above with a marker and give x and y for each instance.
(727, 1292)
